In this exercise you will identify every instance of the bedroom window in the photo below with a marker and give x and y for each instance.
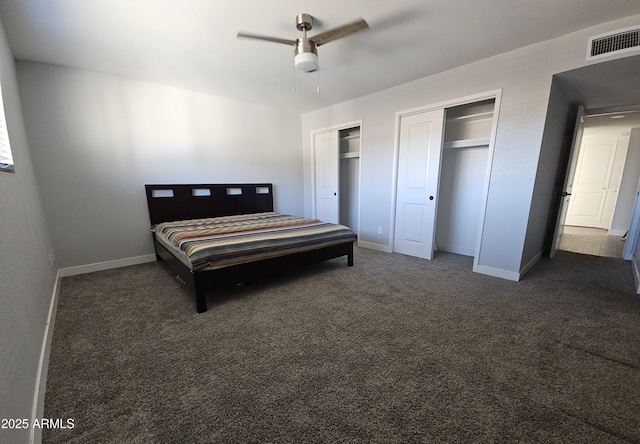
(6, 158)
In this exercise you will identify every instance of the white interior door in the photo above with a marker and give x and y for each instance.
(597, 177)
(420, 150)
(568, 183)
(622, 145)
(327, 180)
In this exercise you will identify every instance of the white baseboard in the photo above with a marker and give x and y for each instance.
(37, 412)
(108, 265)
(498, 272)
(35, 435)
(373, 246)
(529, 265)
(506, 274)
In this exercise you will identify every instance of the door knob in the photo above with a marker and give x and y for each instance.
(565, 194)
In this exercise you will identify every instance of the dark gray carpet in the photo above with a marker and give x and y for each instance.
(395, 349)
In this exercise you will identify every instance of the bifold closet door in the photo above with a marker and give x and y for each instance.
(420, 150)
(327, 180)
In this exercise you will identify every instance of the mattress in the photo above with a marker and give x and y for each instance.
(203, 244)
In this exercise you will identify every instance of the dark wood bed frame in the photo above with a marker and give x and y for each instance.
(194, 201)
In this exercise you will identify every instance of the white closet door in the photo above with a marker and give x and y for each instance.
(327, 152)
(420, 150)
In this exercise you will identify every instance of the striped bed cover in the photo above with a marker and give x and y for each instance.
(205, 244)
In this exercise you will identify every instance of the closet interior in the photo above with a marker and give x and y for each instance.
(463, 176)
(349, 140)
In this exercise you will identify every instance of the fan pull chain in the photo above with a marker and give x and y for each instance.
(295, 90)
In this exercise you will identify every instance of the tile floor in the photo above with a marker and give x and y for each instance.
(593, 241)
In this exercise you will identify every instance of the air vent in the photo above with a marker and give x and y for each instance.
(616, 42)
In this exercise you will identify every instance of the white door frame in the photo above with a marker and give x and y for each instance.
(313, 161)
(495, 94)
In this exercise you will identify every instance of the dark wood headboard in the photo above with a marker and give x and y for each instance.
(196, 201)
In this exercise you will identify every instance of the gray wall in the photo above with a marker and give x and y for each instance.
(512, 238)
(552, 164)
(97, 139)
(27, 278)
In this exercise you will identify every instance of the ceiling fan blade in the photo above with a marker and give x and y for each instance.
(339, 32)
(246, 35)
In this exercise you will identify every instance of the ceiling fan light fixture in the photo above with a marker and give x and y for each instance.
(306, 61)
(306, 53)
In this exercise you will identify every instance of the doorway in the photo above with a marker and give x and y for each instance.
(602, 181)
(602, 88)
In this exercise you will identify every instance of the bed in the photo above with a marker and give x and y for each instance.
(211, 235)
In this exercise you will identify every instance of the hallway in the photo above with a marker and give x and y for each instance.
(593, 241)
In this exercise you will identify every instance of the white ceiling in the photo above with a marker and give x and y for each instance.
(192, 44)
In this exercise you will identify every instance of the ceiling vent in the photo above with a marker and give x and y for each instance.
(616, 42)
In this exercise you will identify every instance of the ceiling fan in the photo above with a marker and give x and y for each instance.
(306, 53)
